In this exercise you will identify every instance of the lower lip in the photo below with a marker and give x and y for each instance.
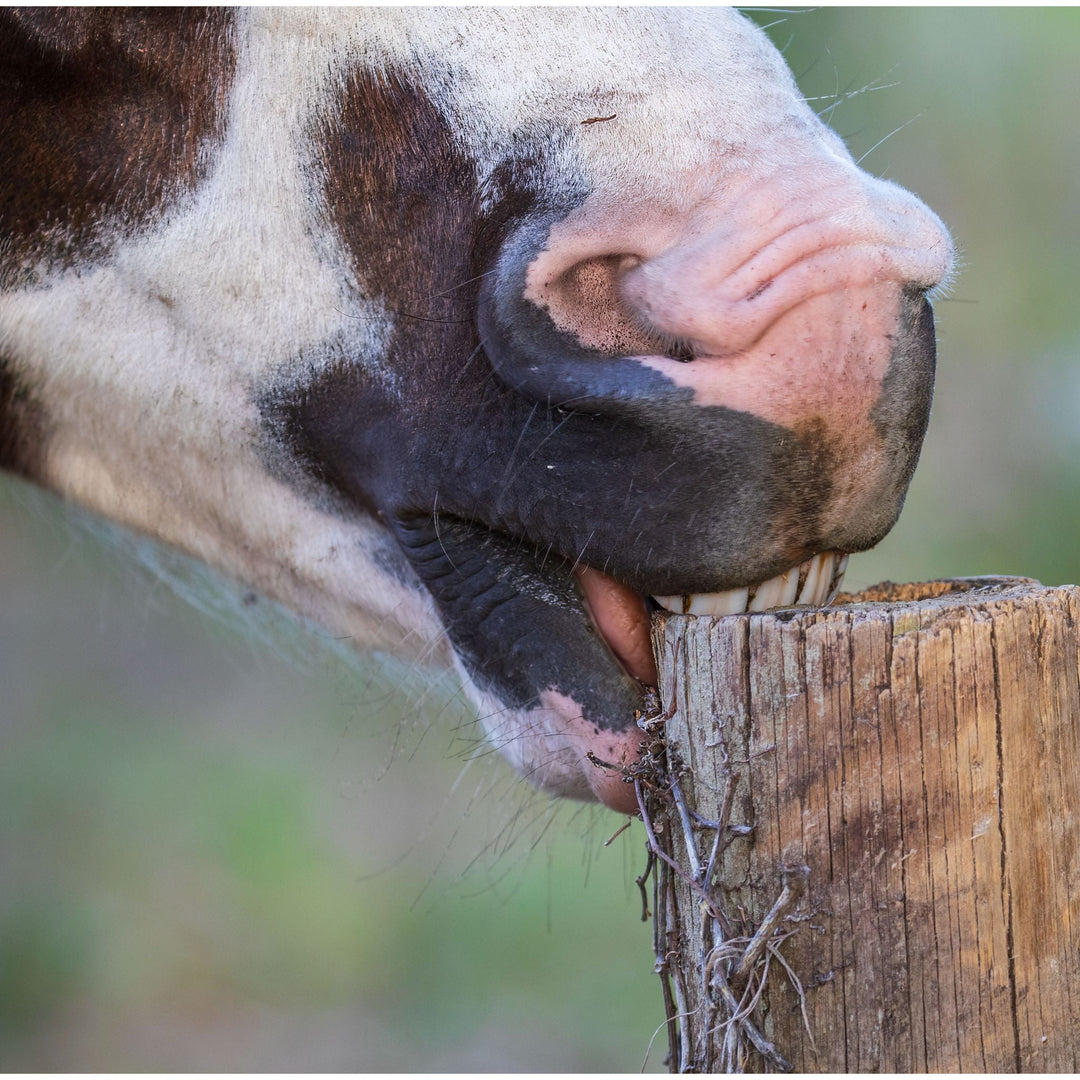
(621, 616)
(622, 620)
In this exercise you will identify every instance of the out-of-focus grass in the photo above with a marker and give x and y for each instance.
(216, 856)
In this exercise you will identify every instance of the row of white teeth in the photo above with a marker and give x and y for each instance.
(813, 583)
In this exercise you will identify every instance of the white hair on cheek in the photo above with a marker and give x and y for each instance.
(410, 719)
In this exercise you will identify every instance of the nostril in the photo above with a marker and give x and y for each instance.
(591, 285)
(558, 326)
(587, 300)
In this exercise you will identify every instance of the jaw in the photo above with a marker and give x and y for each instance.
(557, 657)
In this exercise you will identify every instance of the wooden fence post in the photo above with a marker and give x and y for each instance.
(894, 882)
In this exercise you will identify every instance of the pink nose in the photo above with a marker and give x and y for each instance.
(749, 260)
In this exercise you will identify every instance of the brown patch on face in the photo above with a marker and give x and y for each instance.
(22, 434)
(105, 114)
(403, 198)
(807, 462)
(402, 195)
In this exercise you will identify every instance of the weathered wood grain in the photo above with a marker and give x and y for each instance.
(918, 749)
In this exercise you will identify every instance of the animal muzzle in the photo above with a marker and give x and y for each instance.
(772, 353)
(704, 410)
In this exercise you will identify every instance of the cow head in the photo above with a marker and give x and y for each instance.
(499, 323)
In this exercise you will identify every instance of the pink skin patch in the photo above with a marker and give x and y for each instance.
(791, 278)
(824, 356)
(550, 743)
(617, 748)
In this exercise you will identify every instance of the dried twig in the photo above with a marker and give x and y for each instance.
(734, 960)
(761, 1044)
(688, 830)
(640, 882)
(658, 851)
(794, 881)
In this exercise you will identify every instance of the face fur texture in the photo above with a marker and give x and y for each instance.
(463, 333)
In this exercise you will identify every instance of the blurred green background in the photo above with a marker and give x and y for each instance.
(224, 846)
